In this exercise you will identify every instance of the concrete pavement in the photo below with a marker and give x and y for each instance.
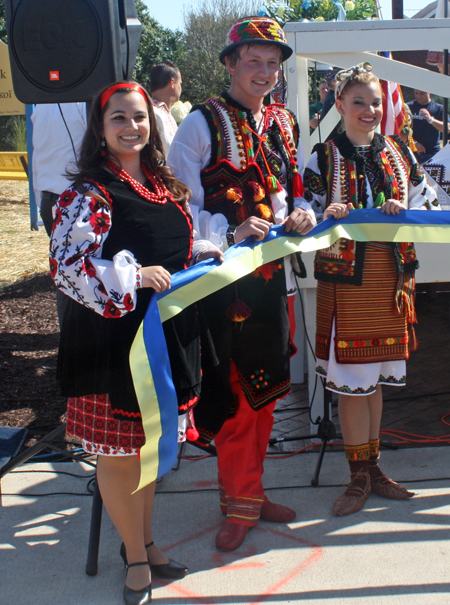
(391, 553)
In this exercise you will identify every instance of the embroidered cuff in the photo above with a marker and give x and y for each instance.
(231, 232)
(138, 278)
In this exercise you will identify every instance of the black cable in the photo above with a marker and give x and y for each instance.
(48, 494)
(289, 409)
(53, 471)
(216, 489)
(68, 132)
(313, 353)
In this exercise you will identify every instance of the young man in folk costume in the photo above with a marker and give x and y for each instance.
(242, 161)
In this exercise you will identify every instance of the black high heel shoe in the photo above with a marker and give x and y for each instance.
(137, 597)
(167, 571)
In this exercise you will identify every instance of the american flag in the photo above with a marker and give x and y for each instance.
(394, 115)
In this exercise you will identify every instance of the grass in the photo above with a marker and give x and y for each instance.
(22, 252)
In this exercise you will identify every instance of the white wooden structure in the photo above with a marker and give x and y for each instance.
(343, 44)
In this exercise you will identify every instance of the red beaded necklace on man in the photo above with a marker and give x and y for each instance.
(160, 193)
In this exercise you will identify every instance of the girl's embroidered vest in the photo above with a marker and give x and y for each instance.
(234, 183)
(344, 260)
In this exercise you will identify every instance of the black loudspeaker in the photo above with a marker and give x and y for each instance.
(64, 51)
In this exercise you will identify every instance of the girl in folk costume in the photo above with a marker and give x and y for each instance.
(119, 232)
(365, 293)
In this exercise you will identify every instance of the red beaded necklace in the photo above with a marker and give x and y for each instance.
(160, 194)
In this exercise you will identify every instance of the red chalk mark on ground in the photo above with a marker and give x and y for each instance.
(246, 551)
(314, 557)
(192, 595)
(241, 566)
(193, 537)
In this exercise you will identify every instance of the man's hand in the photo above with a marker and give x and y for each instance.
(426, 114)
(337, 210)
(392, 207)
(214, 253)
(258, 227)
(300, 221)
(420, 147)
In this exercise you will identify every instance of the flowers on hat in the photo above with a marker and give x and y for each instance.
(320, 10)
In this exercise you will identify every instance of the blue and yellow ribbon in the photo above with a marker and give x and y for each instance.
(148, 357)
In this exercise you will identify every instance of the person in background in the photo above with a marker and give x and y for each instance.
(166, 86)
(428, 123)
(119, 233)
(316, 108)
(242, 161)
(58, 129)
(365, 290)
(330, 96)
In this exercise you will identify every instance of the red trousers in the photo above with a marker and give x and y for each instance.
(241, 448)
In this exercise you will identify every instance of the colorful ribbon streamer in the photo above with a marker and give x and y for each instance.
(148, 357)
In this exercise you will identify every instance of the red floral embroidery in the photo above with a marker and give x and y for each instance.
(66, 198)
(53, 267)
(92, 247)
(72, 259)
(128, 302)
(101, 222)
(267, 271)
(89, 268)
(57, 219)
(96, 205)
(111, 310)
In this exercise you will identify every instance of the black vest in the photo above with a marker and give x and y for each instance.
(94, 350)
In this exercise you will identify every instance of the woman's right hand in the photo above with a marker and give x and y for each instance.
(258, 227)
(337, 210)
(155, 277)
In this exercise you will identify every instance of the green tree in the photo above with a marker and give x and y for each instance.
(157, 44)
(207, 25)
(3, 36)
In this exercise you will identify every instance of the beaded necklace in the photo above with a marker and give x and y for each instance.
(160, 194)
(272, 183)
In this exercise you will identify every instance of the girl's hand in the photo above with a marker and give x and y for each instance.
(392, 207)
(155, 277)
(337, 210)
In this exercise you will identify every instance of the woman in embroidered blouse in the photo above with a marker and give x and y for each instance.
(118, 234)
(365, 294)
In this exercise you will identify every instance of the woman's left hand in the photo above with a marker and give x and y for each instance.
(392, 207)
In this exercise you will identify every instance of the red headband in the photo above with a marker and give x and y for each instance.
(110, 91)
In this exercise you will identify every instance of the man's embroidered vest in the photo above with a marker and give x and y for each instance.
(234, 184)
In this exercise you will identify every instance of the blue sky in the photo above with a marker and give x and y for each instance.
(170, 13)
